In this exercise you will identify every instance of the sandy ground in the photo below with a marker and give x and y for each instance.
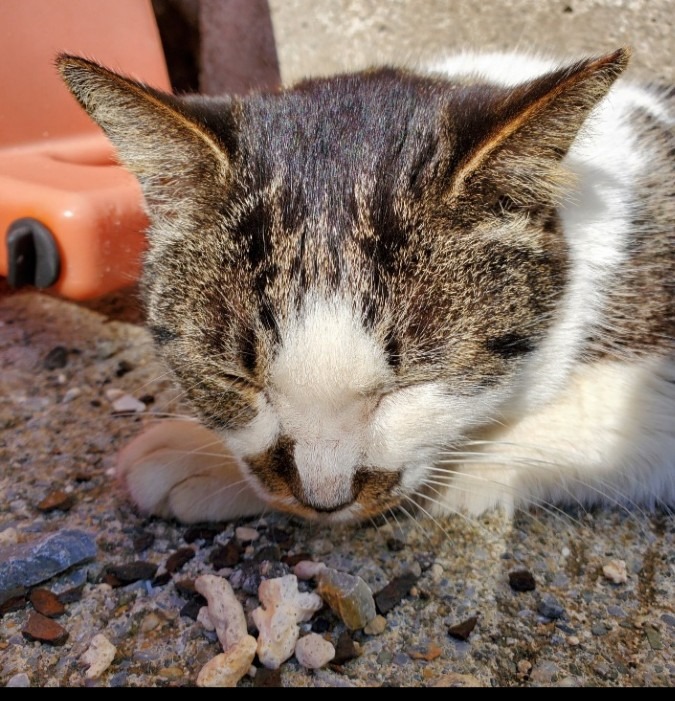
(59, 432)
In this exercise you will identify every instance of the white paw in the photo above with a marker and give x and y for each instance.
(179, 469)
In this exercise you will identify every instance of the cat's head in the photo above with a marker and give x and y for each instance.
(349, 276)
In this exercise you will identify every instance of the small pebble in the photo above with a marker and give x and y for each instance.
(56, 359)
(462, 631)
(45, 630)
(58, 499)
(313, 651)
(121, 575)
(46, 603)
(549, 607)
(345, 649)
(21, 680)
(377, 626)
(308, 569)
(127, 403)
(123, 367)
(72, 393)
(112, 393)
(244, 534)
(454, 679)
(615, 571)
(391, 595)
(98, 656)
(522, 580)
(524, 667)
(150, 622)
(178, 559)
(436, 572)
(348, 596)
(143, 541)
(265, 677)
(227, 555)
(653, 638)
(600, 629)
(427, 652)
(171, 672)
(202, 532)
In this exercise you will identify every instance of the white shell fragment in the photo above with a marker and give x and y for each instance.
(226, 669)
(128, 403)
(314, 651)
(98, 656)
(615, 571)
(244, 534)
(283, 607)
(224, 611)
(308, 569)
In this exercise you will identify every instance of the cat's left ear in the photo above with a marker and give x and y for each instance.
(175, 159)
(515, 140)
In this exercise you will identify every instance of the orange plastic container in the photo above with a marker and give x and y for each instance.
(70, 217)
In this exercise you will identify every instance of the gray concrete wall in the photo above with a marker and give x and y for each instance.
(322, 36)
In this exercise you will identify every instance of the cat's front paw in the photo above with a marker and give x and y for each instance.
(179, 469)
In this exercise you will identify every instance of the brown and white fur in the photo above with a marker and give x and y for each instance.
(448, 290)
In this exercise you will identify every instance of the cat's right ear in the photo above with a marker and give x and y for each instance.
(176, 161)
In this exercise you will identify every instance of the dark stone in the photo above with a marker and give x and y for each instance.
(72, 595)
(395, 545)
(320, 624)
(191, 609)
(267, 677)
(46, 602)
(56, 359)
(345, 649)
(123, 367)
(392, 593)
(147, 399)
(522, 580)
(251, 573)
(462, 631)
(121, 575)
(45, 630)
(161, 579)
(282, 538)
(269, 552)
(202, 532)
(58, 499)
(13, 600)
(186, 587)
(33, 562)
(143, 541)
(178, 559)
(227, 555)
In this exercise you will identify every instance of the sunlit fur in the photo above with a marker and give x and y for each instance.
(485, 323)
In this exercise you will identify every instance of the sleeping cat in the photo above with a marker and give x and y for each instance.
(448, 290)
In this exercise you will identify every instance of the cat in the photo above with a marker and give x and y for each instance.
(441, 290)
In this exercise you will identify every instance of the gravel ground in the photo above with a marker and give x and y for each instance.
(548, 599)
